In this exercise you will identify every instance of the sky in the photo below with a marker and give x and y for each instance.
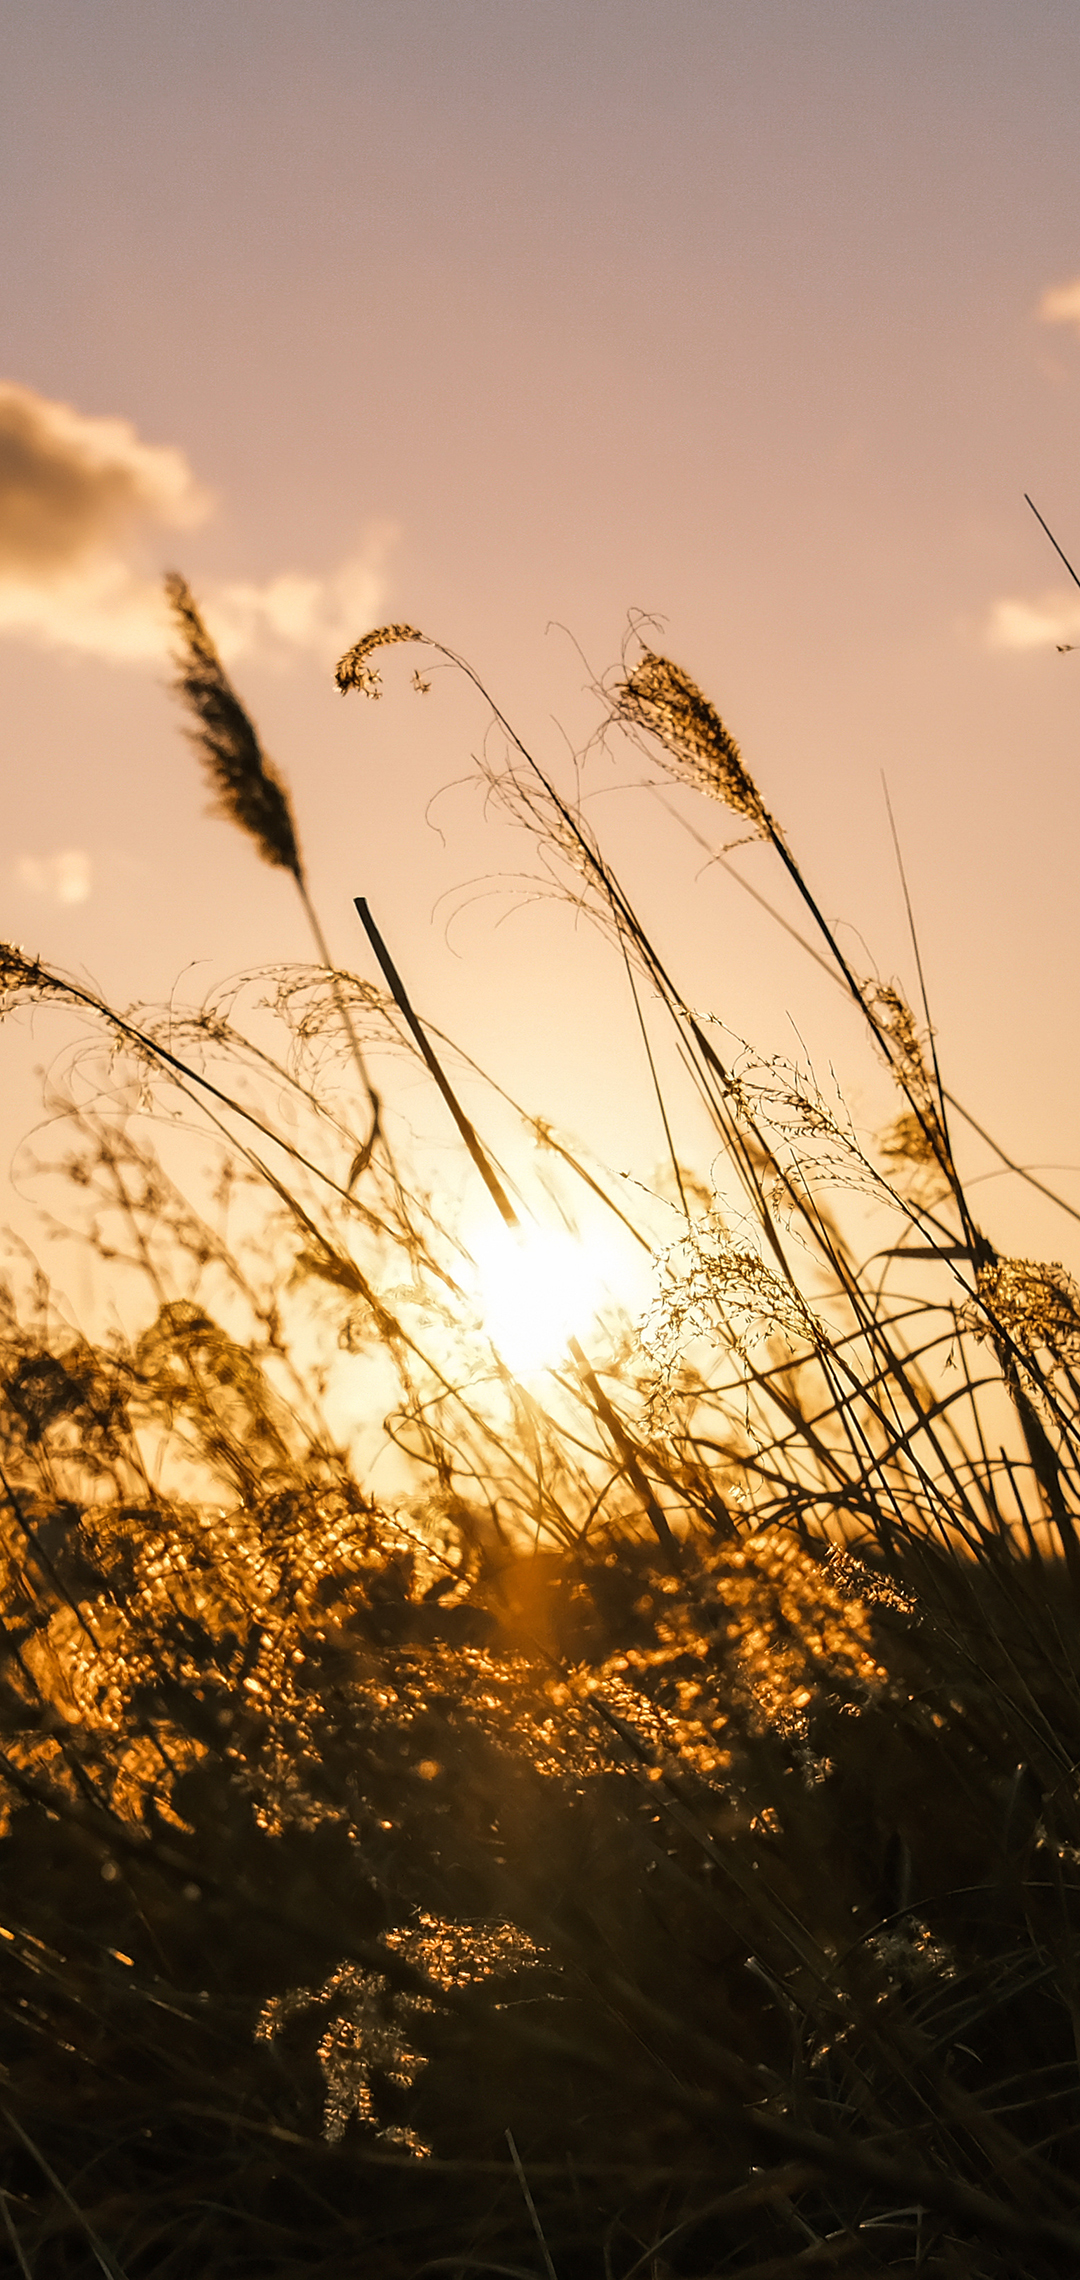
(512, 318)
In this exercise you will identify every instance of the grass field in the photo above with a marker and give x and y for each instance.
(642, 1839)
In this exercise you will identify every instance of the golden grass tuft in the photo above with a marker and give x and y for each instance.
(355, 670)
(248, 788)
(628, 1822)
(660, 698)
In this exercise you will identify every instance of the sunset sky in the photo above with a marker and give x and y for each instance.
(511, 317)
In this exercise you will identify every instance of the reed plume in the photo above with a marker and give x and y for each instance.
(19, 972)
(1036, 1302)
(376, 1795)
(696, 747)
(660, 697)
(354, 670)
(250, 790)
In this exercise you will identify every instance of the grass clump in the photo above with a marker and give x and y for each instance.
(642, 1837)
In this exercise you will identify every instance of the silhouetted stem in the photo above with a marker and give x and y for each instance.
(346, 1018)
(467, 1129)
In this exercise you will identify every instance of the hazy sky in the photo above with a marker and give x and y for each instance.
(510, 315)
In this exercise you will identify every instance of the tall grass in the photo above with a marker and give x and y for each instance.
(621, 1820)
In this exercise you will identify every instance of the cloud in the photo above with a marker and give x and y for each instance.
(79, 498)
(69, 484)
(1060, 305)
(106, 609)
(65, 877)
(1051, 622)
(77, 493)
(109, 609)
(301, 612)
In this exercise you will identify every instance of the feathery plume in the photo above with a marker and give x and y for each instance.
(354, 671)
(1037, 1305)
(19, 972)
(248, 788)
(250, 792)
(660, 697)
(894, 1019)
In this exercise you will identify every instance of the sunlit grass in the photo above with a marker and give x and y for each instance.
(533, 1733)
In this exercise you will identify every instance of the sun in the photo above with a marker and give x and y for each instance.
(536, 1288)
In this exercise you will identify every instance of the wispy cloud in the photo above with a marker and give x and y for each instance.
(102, 608)
(80, 497)
(65, 877)
(302, 612)
(1050, 622)
(1060, 305)
(71, 485)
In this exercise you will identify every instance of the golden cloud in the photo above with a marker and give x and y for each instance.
(1060, 305)
(66, 877)
(80, 496)
(71, 485)
(1051, 622)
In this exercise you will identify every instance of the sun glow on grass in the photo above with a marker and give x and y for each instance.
(535, 1289)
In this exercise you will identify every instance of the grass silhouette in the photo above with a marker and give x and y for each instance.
(642, 1841)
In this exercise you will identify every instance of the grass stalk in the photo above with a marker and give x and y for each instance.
(404, 1764)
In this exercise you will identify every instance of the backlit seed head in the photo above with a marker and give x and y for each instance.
(355, 670)
(247, 787)
(1037, 1304)
(660, 697)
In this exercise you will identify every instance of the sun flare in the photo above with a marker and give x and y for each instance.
(535, 1289)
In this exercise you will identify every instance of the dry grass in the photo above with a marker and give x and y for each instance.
(646, 1842)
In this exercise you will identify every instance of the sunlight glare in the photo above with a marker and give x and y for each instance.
(535, 1290)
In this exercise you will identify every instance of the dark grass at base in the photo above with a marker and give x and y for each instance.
(818, 2014)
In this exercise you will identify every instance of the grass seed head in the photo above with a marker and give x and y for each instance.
(20, 972)
(893, 1018)
(660, 697)
(355, 670)
(1037, 1304)
(248, 788)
